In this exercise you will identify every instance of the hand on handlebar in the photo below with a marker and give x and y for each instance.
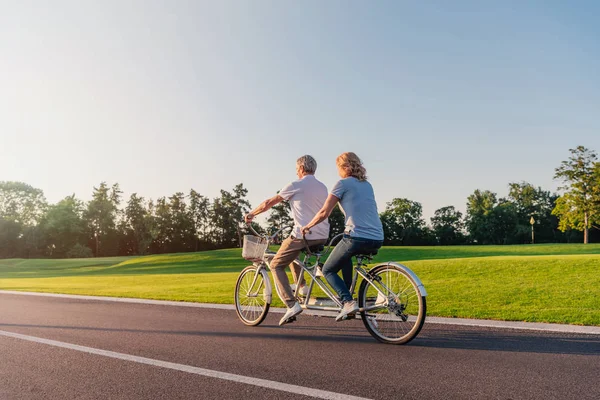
(248, 218)
(305, 230)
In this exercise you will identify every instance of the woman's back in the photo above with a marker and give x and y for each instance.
(357, 201)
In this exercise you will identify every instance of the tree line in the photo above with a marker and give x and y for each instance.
(527, 214)
(107, 225)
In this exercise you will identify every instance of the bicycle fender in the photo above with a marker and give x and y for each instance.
(268, 288)
(414, 277)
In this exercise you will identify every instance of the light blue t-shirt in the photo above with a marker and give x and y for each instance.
(357, 202)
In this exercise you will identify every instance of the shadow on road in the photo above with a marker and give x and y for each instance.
(455, 338)
(511, 341)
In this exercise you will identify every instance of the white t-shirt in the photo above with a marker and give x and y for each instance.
(306, 197)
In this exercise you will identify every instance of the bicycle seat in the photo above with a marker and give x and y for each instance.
(317, 248)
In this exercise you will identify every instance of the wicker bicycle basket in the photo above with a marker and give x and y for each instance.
(254, 247)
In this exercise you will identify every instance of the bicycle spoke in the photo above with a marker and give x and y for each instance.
(251, 304)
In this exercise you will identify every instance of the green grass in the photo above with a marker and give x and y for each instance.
(536, 283)
(443, 252)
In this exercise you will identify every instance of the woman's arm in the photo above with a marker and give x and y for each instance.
(323, 213)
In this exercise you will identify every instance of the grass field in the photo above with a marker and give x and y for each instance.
(536, 283)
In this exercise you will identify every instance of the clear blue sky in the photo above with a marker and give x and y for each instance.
(439, 98)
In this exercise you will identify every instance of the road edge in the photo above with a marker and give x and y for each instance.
(537, 326)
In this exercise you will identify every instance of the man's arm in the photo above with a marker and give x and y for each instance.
(264, 206)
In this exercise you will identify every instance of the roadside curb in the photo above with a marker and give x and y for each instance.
(536, 326)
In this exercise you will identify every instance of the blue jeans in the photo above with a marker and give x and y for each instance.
(341, 258)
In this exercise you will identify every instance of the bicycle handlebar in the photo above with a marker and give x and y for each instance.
(249, 225)
(333, 239)
(306, 246)
(269, 237)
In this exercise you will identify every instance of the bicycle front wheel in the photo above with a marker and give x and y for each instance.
(252, 301)
(394, 308)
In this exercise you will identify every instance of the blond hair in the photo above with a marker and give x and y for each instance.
(352, 165)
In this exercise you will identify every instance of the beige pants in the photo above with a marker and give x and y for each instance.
(288, 252)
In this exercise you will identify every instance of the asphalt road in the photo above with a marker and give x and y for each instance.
(65, 348)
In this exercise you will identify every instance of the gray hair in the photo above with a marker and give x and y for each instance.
(308, 164)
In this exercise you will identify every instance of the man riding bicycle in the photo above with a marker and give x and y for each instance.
(306, 197)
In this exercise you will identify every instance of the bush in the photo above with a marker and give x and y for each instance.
(79, 251)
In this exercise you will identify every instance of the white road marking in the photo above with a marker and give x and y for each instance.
(284, 387)
(560, 328)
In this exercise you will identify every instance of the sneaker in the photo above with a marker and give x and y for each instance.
(303, 289)
(291, 312)
(319, 272)
(350, 307)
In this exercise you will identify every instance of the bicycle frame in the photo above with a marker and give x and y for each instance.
(388, 293)
(358, 270)
(264, 267)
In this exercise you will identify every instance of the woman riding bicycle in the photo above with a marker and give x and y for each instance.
(363, 232)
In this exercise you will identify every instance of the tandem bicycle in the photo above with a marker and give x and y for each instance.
(391, 297)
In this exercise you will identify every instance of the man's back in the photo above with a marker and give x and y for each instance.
(306, 197)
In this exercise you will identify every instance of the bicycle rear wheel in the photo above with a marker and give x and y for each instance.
(251, 298)
(396, 312)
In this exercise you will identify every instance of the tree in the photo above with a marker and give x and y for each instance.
(138, 223)
(403, 222)
(21, 203)
(447, 224)
(490, 221)
(79, 251)
(337, 221)
(10, 233)
(227, 213)
(101, 216)
(239, 208)
(162, 226)
(171, 225)
(479, 223)
(596, 190)
(391, 230)
(23, 207)
(183, 235)
(529, 202)
(63, 226)
(503, 223)
(200, 216)
(578, 207)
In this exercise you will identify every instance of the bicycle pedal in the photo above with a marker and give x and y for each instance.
(349, 316)
(291, 319)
